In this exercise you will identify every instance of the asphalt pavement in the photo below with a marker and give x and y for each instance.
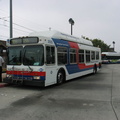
(92, 97)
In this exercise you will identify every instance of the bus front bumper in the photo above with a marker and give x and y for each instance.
(24, 82)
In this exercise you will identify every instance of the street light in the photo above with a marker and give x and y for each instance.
(114, 45)
(71, 21)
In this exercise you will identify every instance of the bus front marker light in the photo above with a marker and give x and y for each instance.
(8, 75)
(37, 77)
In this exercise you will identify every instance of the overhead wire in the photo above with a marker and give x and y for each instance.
(23, 19)
(14, 28)
(3, 36)
(41, 27)
(18, 25)
(21, 27)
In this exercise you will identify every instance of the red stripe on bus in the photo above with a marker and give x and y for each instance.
(73, 45)
(83, 66)
(27, 73)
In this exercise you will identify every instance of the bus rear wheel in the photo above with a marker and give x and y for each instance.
(95, 69)
(60, 77)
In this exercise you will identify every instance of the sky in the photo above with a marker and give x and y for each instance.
(92, 18)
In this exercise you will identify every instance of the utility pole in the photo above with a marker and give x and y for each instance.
(11, 24)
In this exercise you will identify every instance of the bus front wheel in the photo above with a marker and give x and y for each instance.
(60, 77)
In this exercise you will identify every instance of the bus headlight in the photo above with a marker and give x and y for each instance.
(37, 77)
(8, 75)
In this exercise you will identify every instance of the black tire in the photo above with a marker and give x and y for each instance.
(60, 77)
(100, 65)
(95, 69)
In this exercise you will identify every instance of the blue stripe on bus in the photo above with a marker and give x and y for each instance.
(61, 43)
(71, 68)
(75, 69)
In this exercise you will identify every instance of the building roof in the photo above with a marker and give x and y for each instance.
(3, 44)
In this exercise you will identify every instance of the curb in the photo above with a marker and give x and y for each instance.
(3, 85)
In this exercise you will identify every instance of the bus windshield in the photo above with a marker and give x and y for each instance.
(15, 55)
(33, 55)
(29, 55)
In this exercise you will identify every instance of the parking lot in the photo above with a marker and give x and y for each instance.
(92, 97)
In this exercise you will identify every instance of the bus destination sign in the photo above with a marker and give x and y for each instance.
(26, 40)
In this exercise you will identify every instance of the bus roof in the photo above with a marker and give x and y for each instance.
(111, 53)
(58, 35)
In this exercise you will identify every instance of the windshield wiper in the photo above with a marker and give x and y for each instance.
(30, 68)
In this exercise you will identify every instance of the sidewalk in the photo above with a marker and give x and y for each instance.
(3, 84)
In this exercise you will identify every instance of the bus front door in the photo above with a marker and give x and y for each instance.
(50, 66)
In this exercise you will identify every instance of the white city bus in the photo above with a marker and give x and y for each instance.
(52, 57)
(110, 57)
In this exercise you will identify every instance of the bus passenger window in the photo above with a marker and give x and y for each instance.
(62, 55)
(53, 55)
(97, 55)
(73, 55)
(92, 55)
(81, 56)
(50, 55)
(87, 56)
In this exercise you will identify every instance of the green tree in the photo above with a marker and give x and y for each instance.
(99, 43)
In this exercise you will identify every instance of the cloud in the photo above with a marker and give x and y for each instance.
(93, 18)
